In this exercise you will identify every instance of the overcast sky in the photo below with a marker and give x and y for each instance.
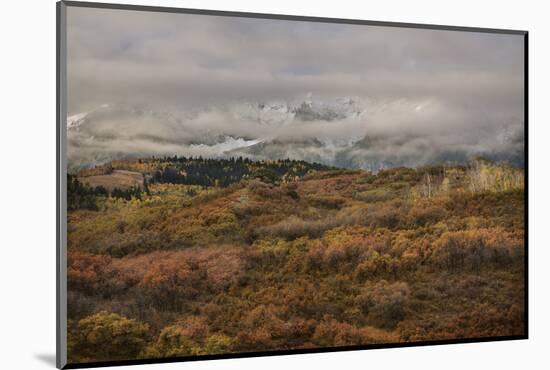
(427, 80)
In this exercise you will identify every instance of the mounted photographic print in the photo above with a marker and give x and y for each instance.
(235, 184)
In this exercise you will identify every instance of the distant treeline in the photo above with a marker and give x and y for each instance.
(81, 195)
(224, 172)
(188, 171)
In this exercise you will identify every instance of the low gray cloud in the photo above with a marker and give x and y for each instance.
(458, 90)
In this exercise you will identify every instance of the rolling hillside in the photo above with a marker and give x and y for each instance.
(256, 256)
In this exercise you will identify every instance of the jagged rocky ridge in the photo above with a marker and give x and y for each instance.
(344, 132)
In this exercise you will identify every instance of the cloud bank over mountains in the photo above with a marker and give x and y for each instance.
(356, 96)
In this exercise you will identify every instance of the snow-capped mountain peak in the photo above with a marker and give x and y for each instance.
(76, 120)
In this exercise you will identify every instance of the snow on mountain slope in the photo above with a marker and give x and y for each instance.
(76, 120)
(343, 131)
